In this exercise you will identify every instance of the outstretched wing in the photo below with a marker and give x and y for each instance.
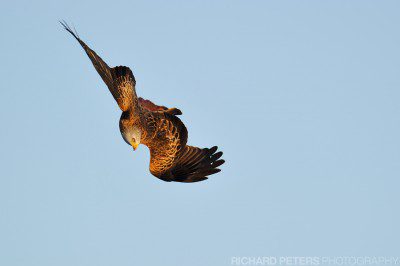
(122, 90)
(196, 164)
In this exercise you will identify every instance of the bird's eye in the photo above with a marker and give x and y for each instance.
(134, 140)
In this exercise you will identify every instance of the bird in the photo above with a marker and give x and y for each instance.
(155, 126)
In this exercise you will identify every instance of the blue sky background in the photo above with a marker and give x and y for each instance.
(302, 96)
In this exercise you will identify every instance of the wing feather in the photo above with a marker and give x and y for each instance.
(195, 165)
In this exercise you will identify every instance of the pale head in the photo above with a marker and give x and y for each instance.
(130, 132)
(132, 135)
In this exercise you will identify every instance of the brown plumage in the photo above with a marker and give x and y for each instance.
(157, 127)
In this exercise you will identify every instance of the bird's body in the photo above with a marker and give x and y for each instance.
(157, 127)
(164, 134)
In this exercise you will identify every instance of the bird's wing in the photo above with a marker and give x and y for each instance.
(172, 160)
(196, 164)
(168, 141)
(122, 89)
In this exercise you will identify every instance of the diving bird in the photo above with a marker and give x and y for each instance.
(157, 127)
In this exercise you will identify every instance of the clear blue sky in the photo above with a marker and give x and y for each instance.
(302, 96)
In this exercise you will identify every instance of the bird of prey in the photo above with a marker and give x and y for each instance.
(157, 127)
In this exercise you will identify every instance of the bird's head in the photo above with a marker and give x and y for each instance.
(132, 135)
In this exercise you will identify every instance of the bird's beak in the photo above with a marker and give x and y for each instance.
(134, 145)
